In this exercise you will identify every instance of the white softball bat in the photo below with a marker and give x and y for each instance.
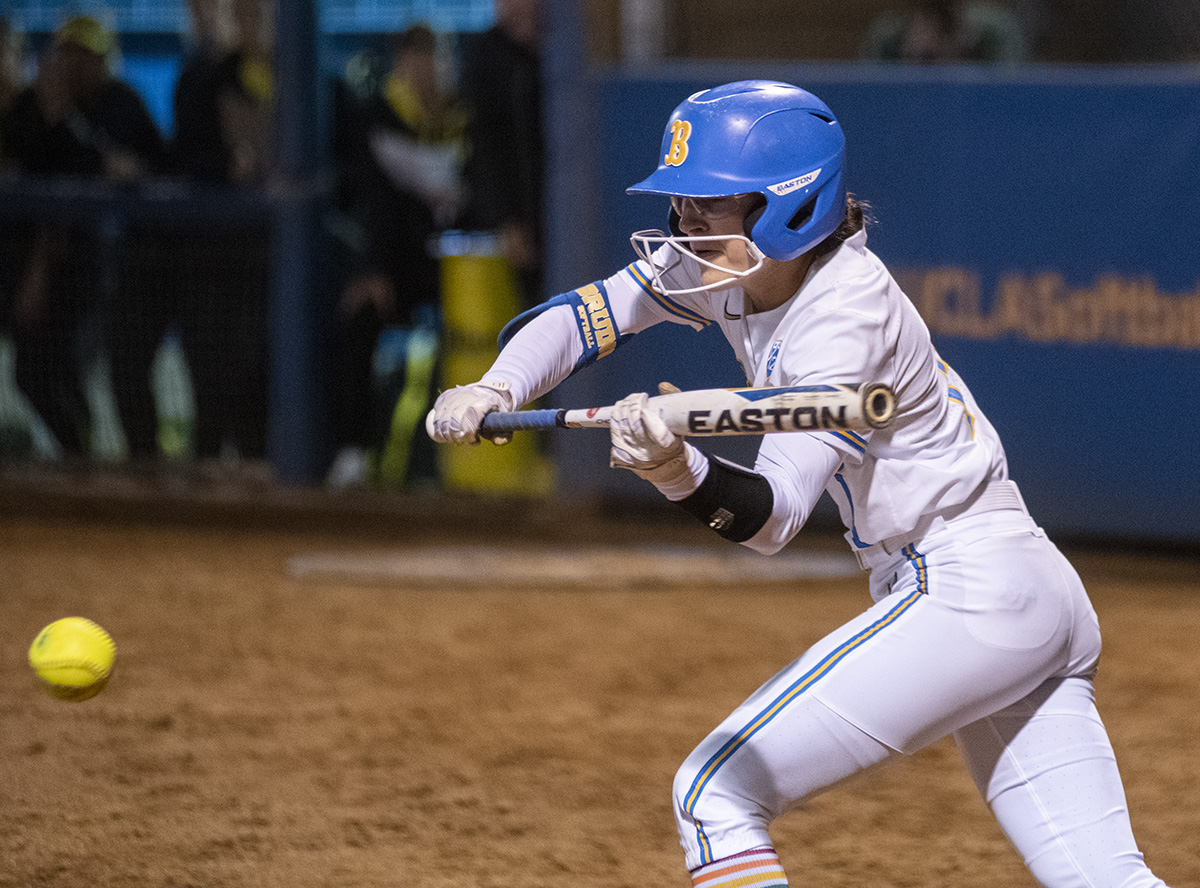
(736, 411)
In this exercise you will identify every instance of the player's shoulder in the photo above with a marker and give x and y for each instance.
(638, 280)
(849, 280)
(852, 265)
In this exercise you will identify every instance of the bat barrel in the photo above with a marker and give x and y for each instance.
(878, 405)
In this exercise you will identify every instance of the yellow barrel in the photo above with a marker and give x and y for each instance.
(479, 289)
(480, 296)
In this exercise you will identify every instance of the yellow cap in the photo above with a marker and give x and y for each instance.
(87, 32)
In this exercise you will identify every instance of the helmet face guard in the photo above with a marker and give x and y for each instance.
(646, 242)
(755, 136)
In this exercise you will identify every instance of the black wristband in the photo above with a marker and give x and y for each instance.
(733, 501)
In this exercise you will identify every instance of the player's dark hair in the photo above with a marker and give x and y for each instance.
(858, 214)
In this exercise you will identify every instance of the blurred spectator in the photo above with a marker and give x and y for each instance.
(245, 90)
(12, 66)
(208, 281)
(198, 148)
(235, 295)
(12, 82)
(506, 168)
(402, 151)
(946, 31)
(165, 266)
(16, 441)
(76, 119)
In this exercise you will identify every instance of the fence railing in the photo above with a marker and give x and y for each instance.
(135, 319)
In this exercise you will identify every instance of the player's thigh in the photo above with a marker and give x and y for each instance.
(916, 666)
(1047, 770)
(748, 772)
(784, 743)
(1057, 722)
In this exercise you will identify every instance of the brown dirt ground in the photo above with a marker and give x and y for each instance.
(267, 731)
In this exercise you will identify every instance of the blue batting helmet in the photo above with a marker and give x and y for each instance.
(764, 137)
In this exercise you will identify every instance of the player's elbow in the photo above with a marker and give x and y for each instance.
(789, 512)
(765, 542)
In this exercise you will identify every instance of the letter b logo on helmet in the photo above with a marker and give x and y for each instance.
(764, 137)
(677, 148)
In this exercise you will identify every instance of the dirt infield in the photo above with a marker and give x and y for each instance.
(276, 730)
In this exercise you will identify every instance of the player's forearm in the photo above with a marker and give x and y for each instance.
(762, 509)
(539, 356)
(732, 500)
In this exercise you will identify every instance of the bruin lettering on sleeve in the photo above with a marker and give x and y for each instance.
(757, 419)
(595, 321)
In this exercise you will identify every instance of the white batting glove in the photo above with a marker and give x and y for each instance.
(457, 412)
(642, 443)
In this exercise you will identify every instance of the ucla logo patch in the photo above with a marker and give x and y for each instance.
(595, 322)
(677, 149)
(773, 357)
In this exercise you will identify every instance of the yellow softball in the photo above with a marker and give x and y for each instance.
(73, 658)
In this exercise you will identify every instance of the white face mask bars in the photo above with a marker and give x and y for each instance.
(646, 242)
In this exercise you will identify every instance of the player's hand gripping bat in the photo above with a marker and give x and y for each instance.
(743, 411)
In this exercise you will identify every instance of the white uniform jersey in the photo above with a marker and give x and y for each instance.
(849, 323)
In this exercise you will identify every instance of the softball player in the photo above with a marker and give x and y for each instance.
(979, 626)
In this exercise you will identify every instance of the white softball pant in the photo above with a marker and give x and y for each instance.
(981, 629)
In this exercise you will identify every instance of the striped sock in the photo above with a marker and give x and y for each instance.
(757, 868)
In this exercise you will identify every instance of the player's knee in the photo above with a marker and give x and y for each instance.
(702, 794)
(699, 798)
(715, 819)
(684, 778)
